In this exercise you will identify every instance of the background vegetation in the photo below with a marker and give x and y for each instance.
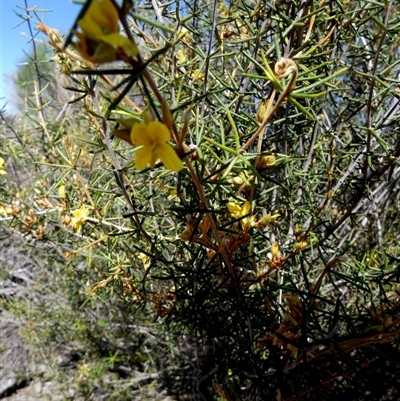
(268, 267)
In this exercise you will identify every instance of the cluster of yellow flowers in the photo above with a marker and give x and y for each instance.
(100, 41)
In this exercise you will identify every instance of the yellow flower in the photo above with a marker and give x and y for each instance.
(184, 34)
(265, 162)
(197, 75)
(275, 253)
(145, 260)
(300, 246)
(181, 56)
(268, 220)
(154, 137)
(2, 168)
(243, 213)
(100, 40)
(61, 191)
(80, 216)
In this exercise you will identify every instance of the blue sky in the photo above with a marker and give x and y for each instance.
(14, 37)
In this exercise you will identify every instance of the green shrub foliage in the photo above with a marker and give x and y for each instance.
(267, 260)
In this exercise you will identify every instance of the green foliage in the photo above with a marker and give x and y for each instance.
(267, 267)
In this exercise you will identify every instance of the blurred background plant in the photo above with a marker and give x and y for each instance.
(268, 267)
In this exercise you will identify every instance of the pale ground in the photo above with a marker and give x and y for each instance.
(21, 377)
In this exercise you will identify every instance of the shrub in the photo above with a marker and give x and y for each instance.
(230, 172)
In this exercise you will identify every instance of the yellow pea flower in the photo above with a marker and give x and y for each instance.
(61, 191)
(265, 162)
(180, 54)
(153, 139)
(80, 216)
(300, 246)
(275, 253)
(145, 260)
(240, 211)
(100, 40)
(2, 168)
(4, 210)
(268, 220)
